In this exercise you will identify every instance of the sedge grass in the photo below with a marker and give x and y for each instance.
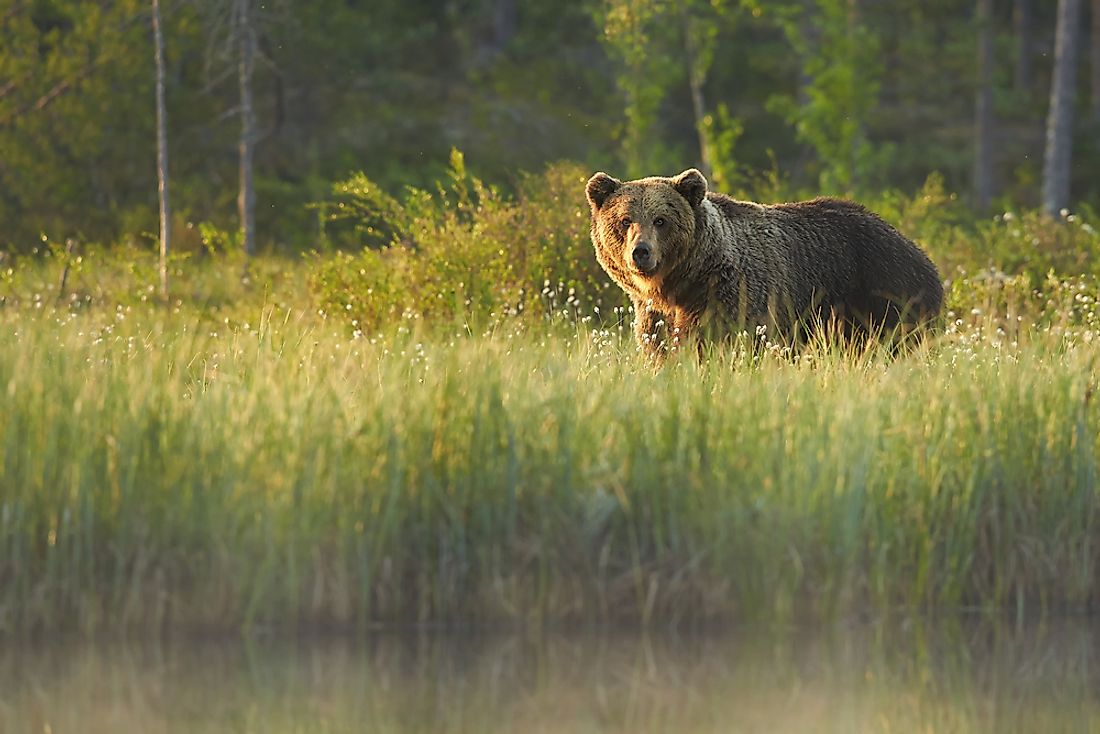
(157, 470)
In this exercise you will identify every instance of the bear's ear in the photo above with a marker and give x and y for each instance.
(599, 187)
(692, 186)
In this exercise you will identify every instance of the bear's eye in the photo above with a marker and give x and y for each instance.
(659, 222)
(626, 222)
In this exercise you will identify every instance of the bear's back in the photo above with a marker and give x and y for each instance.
(804, 250)
(829, 252)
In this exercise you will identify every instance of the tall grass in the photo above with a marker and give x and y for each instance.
(158, 470)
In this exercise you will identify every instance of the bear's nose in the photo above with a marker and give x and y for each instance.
(643, 255)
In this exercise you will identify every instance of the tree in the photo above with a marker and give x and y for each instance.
(637, 35)
(1059, 136)
(162, 151)
(233, 49)
(841, 78)
(700, 21)
(74, 106)
(983, 108)
(1022, 26)
(246, 52)
(1094, 48)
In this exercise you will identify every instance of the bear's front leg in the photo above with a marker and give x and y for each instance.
(684, 333)
(649, 329)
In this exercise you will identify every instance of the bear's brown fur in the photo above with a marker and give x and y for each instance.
(685, 255)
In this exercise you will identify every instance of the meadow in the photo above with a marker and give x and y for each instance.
(255, 455)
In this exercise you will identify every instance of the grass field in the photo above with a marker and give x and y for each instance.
(168, 466)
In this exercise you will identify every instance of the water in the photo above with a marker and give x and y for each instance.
(913, 678)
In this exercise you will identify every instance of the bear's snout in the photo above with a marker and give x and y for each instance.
(643, 257)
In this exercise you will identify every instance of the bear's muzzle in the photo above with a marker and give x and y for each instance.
(643, 257)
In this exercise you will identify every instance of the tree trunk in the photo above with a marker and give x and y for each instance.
(162, 151)
(246, 198)
(1022, 21)
(505, 19)
(1094, 47)
(983, 109)
(696, 78)
(1059, 143)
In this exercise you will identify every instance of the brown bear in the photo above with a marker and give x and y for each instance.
(689, 257)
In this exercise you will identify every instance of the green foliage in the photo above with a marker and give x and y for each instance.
(658, 46)
(216, 240)
(841, 71)
(723, 131)
(209, 281)
(332, 441)
(1024, 243)
(467, 252)
(249, 454)
(1028, 242)
(1011, 306)
(157, 470)
(464, 251)
(640, 38)
(67, 158)
(863, 97)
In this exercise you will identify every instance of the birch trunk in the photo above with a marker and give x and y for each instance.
(246, 198)
(1059, 142)
(162, 151)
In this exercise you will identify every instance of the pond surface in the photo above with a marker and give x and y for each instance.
(911, 678)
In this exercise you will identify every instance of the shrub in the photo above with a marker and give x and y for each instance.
(465, 251)
(1029, 242)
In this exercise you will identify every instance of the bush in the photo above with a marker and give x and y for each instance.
(464, 251)
(1030, 243)
(1010, 304)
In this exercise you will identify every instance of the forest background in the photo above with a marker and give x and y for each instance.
(771, 99)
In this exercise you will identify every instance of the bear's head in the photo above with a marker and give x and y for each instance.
(642, 228)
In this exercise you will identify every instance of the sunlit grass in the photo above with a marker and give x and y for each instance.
(161, 469)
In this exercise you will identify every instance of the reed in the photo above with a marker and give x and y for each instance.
(158, 469)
